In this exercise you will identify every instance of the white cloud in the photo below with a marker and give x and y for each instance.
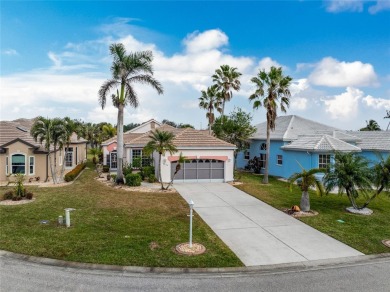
(333, 73)
(10, 52)
(55, 59)
(345, 105)
(377, 103)
(344, 5)
(205, 41)
(379, 6)
(298, 103)
(266, 64)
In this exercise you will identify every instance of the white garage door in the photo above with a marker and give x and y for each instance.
(200, 170)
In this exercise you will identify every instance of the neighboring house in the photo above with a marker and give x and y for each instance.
(19, 153)
(207, 158)
(300, 142)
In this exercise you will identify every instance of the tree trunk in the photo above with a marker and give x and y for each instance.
(305, 201)
(210, 121)
(51, 169)
(265, 178)
(119, 146)
(159, 172)
(55, 164)
(373, 197)
(223, 110)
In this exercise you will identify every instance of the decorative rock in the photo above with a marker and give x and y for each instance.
(386, 242)
(364, 211)
(184, 248)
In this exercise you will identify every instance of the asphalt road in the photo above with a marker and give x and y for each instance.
(371, 275)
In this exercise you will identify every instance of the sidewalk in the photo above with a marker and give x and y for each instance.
(256, 232)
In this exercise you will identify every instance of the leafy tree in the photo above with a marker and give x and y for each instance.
(95, 152)
(170, 123)
(108, 131)
(227, 79)
(183, 126)
(160, 142)
(371, 125)
(272, 91)
(235, 129)
(351, 174)
(210, 101)
(306, 179)
(69, 127)
(127, 70)
(130, 126)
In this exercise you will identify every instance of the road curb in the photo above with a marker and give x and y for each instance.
(160, 270)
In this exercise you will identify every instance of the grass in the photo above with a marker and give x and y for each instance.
(110, 226)
(363, 233)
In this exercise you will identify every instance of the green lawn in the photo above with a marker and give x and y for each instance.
(111, 226)
(363, 233)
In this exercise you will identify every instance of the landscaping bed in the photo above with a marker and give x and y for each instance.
(364, 233)
(109, 226)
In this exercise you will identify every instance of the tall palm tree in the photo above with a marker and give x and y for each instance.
(351, 174)
(272, 91)
(371, 125)
(387, 117)
(210, 101)
(69, 127)
(306, 180)
(127, 70)
(227, 79)
(160, 142)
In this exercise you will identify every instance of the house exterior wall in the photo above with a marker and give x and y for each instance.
(372, 156)
(166, 164)
(145, 127)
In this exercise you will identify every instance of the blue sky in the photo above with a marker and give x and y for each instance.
(54, 56)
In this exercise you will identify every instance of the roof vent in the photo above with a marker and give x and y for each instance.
(22, 129)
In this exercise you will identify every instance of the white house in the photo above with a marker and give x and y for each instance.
(208, 159)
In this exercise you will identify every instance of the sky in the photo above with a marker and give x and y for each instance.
(55, 56)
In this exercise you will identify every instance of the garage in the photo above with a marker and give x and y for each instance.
(192, 170)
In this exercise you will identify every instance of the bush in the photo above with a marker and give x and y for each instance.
(146, 171)
(29, 195)
(8, 195)
(127, 169)
(133, 180)
(106, 168)
(152, 178)
(255, 164)
(71, 175)
(108, 176)
(113, 177)
(137, 162)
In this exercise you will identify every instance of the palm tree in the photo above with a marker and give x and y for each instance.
(306, 180)
(210, 101)
(49, 131)
(270, 87)
(371, 125)
(161, 142)
(387, 117)
(351, 174)
(109, 131)
(227, 79)
(127, 70)
(95, 151)
(69, 127)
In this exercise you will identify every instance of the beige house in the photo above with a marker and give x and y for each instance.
(19, 153)
(208, 159)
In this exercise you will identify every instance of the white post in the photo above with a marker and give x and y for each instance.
(191, 207)
(67, 216)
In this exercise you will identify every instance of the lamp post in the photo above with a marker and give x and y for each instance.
(191, 204)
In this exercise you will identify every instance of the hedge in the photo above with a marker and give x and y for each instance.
(71, 175)
(133, 180)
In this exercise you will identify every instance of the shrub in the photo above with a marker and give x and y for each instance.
(113, 177)
(127, 169)
(71, 175)
(146, 171)
(29, 195)
(106, 168)
(152, 178)
(133, 180)
(137, 162)
(108, 176)
(8, 195)
(255, 164)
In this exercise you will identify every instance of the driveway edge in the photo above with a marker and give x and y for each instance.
(137, 269)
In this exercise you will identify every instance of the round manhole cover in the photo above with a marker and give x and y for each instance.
(386, 242)
(184, 248)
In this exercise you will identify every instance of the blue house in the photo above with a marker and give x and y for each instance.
(300, 142)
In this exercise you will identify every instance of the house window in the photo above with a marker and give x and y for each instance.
(138, 159)
(323, 160)
(18, 162)
(113, 160)
(32, 165)
(6, 165)
(279, 159)
(262, 160)
(246, 155)
(263, 146)
(69, 157)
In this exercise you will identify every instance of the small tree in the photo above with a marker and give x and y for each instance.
(180, 161)
(160, 142)
(371, 125)
(306, 180)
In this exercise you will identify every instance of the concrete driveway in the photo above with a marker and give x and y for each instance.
(256, 232)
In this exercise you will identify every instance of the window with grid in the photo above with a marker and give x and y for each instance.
(279, 159)
(246, 155)
(323, 160)
(263, 146)
(18, 162)
(32, 165)
(69, 157)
